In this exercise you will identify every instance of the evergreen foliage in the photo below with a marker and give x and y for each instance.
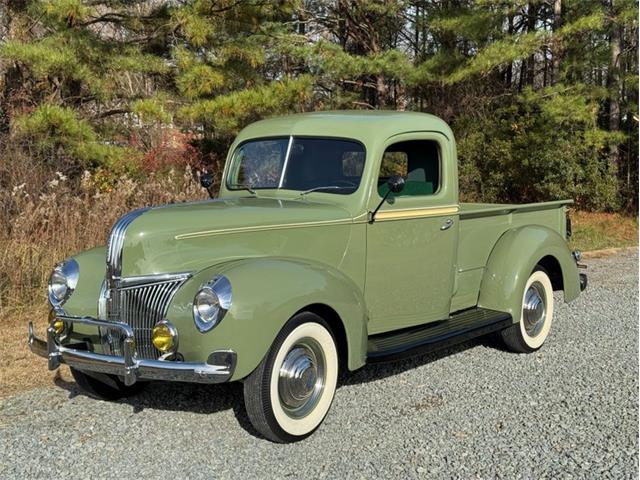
(542, 95)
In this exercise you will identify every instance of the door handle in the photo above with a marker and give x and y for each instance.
(447, 224)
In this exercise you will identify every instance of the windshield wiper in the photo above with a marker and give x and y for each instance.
(243, 186)
(328, 187)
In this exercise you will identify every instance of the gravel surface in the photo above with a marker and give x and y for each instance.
(569, 411)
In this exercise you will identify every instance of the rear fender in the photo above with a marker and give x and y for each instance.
(511, 262)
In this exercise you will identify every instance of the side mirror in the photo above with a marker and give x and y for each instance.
(206, 181)
(395, 183)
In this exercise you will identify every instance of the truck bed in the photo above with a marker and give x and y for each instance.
(481, 225)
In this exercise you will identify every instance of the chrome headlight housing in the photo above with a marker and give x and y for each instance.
(211, 303)
(63, 282)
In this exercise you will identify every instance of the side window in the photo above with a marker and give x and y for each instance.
(418, 161)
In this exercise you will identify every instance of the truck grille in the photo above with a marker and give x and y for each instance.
(141, 305)
(140, 302)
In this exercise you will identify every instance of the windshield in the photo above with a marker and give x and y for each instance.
(298, 163)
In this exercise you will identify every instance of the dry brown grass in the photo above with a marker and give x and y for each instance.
(601, 231)
(47, 217)
(44, 218)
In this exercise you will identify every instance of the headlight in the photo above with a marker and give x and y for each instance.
(211, 303)
(63, 281)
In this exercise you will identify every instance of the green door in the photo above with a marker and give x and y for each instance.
(412, 245)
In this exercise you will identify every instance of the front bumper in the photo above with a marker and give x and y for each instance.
(219, 366)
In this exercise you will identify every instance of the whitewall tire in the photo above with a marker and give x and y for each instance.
(290, 393)
(536, 315)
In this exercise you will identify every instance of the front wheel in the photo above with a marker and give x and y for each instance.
(289, 394)
(536, 316)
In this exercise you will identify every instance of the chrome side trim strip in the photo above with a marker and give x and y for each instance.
(411, 213)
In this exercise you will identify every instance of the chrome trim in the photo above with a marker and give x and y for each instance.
(129, 365)
(102, 301)
(447, 224)
(116, 244)
(302, 377)
(577, 255)
(140, 302)
(71, 272)
(534, 310)
(110, 297)
(149, 279)
(221, 288)
(36, 345)
(286, 161)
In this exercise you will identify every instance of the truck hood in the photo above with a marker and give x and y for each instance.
(192, 236)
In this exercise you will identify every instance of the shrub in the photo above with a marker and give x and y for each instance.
(543, 146)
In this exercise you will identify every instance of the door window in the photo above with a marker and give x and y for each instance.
(418, 161)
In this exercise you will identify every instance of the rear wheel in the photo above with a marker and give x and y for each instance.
(104, 386)
(289, 394)
(536, 316)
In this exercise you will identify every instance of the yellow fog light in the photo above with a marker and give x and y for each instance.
(164, 337)
(57, 324)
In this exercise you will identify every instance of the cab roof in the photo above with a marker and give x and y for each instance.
(367, 126)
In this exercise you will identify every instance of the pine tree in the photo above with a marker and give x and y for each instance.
(530, 87)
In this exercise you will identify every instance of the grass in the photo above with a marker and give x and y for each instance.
(22, 369)
(599, 231)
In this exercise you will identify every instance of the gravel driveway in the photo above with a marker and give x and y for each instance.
(569, 410)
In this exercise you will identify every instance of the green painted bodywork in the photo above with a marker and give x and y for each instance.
(284, 252)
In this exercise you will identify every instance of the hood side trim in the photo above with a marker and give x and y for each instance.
(260, 228)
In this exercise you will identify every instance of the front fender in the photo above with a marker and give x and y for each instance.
(266, 292)
(512, 260)
(84, 300)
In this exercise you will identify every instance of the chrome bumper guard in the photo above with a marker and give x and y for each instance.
(219, 367)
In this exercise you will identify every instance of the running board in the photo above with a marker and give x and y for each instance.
(458, 328)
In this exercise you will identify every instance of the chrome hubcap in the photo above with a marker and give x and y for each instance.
(302, 378)
(534, 309)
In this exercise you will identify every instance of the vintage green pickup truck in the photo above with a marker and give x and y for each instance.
(337, 239)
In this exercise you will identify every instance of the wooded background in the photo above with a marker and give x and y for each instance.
(542, 95)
